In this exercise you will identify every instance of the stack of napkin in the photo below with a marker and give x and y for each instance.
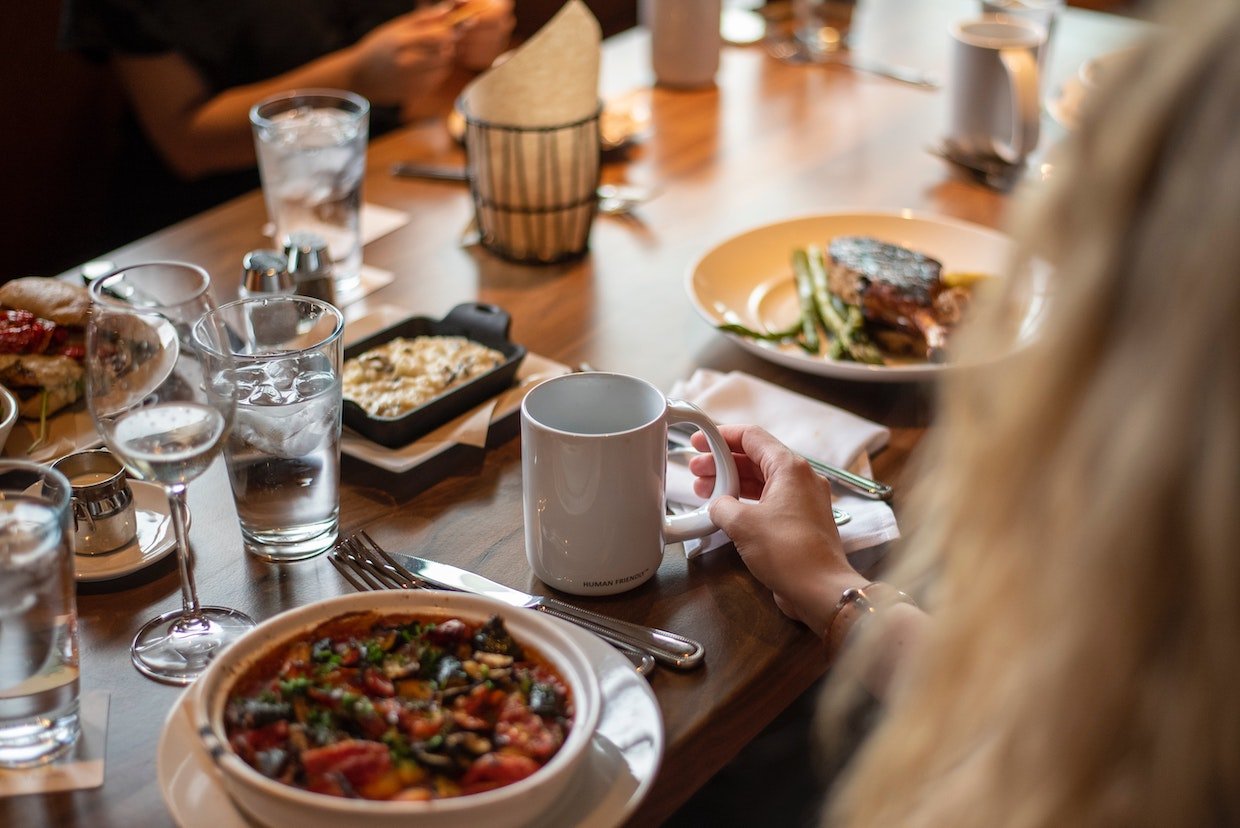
(809, 427)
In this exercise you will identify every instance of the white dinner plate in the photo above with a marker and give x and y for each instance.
(748, 279)
(619, 769)
(154, 539)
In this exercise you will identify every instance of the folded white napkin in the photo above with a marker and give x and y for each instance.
(809, 427)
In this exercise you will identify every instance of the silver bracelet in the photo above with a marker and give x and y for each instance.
(858, 602)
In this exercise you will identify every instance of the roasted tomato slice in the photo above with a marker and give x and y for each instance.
(21, 332)
(491, 770)
(357, 760)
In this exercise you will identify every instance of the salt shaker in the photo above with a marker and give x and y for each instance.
(310, 266)
(265, 271)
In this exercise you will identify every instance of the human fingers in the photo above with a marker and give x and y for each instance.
(473, 13)
(439, 14)
(731, 433)
(429, 36)
(704, 487)
(703, 465)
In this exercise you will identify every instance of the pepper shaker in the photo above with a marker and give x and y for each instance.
(310, 266)
(265, 271)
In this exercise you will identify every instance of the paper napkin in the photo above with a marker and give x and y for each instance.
(80, 769)
(532, 141)
(809, 427)
(551, 80)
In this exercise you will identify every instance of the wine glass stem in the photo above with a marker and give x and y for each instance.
(179, 509)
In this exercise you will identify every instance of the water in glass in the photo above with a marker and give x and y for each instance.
(38, 632)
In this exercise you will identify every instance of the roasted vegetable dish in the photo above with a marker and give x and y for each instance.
(400, 708)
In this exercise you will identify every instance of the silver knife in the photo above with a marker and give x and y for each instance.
(668, 648)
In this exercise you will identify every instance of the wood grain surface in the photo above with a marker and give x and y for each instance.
(769, 142)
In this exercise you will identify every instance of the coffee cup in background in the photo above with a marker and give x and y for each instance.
(594, 472)
(994, 107)
(684, 41)
(1044, 13)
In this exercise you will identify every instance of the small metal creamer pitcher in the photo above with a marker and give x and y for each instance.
(104, 518)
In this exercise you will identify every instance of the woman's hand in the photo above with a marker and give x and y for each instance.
(405, 59)
(788, 538)
(484, 34)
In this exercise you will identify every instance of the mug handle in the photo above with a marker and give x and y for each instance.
(1022, 70)
(696, 524)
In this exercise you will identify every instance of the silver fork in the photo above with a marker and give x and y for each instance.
(788, 50)
(872, 489)
(355, 563)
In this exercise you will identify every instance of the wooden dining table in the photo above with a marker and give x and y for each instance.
(768, 142)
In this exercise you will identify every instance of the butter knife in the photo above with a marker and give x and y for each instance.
(668, 648)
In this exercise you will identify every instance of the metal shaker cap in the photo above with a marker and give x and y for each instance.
(310, 265)
(265, 271)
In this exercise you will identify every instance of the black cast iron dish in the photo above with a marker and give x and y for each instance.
(485, 324)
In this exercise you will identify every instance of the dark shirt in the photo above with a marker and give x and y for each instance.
(230, 43)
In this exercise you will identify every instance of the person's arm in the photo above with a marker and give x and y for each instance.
(789, 541)
(485, 34)
(198, 132)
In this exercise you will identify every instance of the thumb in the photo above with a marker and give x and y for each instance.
(726, 512)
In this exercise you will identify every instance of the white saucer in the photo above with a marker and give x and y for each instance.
(154, 540)
(616, 776)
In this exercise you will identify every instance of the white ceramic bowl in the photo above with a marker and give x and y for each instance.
(8, 414)
(276, 804)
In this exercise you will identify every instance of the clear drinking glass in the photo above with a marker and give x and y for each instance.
(823, 26)
(283, 355)
(38, 622)
(147, 391)
(311, 146)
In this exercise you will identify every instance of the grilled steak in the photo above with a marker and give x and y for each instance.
(894, 286)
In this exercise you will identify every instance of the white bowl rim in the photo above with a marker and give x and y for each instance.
(587, 697)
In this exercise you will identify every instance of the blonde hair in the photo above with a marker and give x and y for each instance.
(1077, 528)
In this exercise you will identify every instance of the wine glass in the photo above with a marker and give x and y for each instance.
(165, 419)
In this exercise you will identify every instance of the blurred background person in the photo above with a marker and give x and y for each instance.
(1074, 531)
(191, 71)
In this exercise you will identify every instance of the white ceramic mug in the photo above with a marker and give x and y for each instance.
(684, 41)
(994, 107)
(594, 471)
(1043, 12)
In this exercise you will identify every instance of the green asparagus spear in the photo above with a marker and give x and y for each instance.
(805, 293)
(844, 322)
(765, 336)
